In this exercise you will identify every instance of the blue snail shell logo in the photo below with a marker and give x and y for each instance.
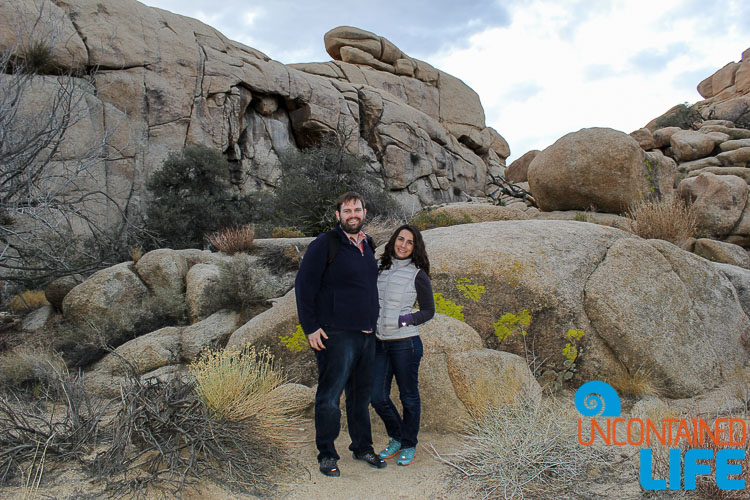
(597, 398)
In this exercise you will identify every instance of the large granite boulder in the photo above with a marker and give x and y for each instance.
(164, 272)
(691, 341)
(690, 145)
(718, 201)
(518, 170)
(111, 305)
(597, 167)
(566, 277)
(721, 251)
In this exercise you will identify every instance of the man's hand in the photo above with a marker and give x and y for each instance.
(316, 339)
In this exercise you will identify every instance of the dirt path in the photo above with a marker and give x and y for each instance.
(427, 477)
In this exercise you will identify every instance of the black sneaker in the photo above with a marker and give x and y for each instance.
(371, 458)
(329, 468)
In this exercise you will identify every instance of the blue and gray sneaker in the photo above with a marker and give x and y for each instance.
(390, 450)
(406, 457)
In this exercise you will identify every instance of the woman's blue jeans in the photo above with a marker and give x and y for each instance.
(399, 358)
(346, 364)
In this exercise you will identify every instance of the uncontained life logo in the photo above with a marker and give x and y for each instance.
(691, 441)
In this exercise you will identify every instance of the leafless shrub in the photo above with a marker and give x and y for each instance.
(668, 218)
(54, 218)
(705, 485)
(526, 449)
(232, 240)
(66, 430)
(381, 227)
(165, 440)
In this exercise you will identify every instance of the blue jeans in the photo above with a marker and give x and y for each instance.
(399, 358)
(346, 364)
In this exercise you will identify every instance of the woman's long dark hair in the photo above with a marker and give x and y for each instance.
(418, 255)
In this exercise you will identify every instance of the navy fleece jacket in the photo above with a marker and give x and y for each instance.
(341, 295)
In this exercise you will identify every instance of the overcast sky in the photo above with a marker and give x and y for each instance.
(541, 68)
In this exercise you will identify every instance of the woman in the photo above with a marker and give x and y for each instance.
(404, 275)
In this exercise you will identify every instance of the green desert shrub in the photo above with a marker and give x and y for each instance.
(431, 219)
(313, 178)
(245, 282)
(286, 232)
(191, 198)
(682, 116)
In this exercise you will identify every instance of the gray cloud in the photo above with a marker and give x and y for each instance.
(594, 72)
(522, 92)
(418, 27)
(731, 15)
(654, 59)
(689, 80)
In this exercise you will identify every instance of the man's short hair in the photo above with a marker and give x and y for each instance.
(347, 197)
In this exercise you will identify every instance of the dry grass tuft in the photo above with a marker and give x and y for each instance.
(527, 449)
(135, 252)
(28, 300)
(239, 385)
(667, 219)
(232, 240)
(638, 383)
(24, 364)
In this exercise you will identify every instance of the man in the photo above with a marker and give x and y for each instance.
(337, 305)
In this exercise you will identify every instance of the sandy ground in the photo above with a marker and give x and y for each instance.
(426, 478)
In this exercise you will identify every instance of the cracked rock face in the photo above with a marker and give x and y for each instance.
(165, 80)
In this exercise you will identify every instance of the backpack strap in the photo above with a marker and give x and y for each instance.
(333, 245)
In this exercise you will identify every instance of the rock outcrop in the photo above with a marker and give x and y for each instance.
(701, 152)
(579, 301)
(165, 80)
(710, 143)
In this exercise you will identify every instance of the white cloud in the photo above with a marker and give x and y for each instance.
(615, 67)
(251, 16)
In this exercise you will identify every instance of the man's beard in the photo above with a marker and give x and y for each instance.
(348, 228)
